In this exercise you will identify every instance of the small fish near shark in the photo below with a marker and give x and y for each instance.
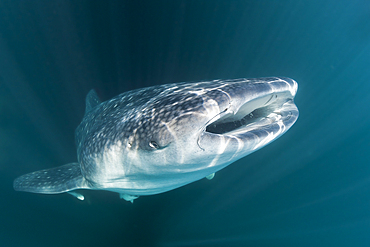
(155, 139)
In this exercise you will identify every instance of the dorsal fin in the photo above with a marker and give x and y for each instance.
(92, 100)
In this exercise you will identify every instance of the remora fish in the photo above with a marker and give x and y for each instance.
(159, 138)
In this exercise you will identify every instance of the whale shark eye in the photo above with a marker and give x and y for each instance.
(153, 144)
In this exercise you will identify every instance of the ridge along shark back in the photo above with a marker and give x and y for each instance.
(155, 139)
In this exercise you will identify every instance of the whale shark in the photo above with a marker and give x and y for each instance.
(156, 139)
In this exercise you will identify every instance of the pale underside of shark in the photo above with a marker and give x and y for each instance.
(152, 140)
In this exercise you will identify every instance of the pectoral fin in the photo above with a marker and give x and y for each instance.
(52, 181)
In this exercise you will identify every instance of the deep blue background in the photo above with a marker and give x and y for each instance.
(309, 188)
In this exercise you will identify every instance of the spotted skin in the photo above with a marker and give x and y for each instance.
(155, 139)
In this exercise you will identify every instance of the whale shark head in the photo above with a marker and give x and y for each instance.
(156, 139)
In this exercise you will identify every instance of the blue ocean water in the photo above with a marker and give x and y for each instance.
(311, 187)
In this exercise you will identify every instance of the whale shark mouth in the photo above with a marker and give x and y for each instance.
(255, 114)
(225, 125)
